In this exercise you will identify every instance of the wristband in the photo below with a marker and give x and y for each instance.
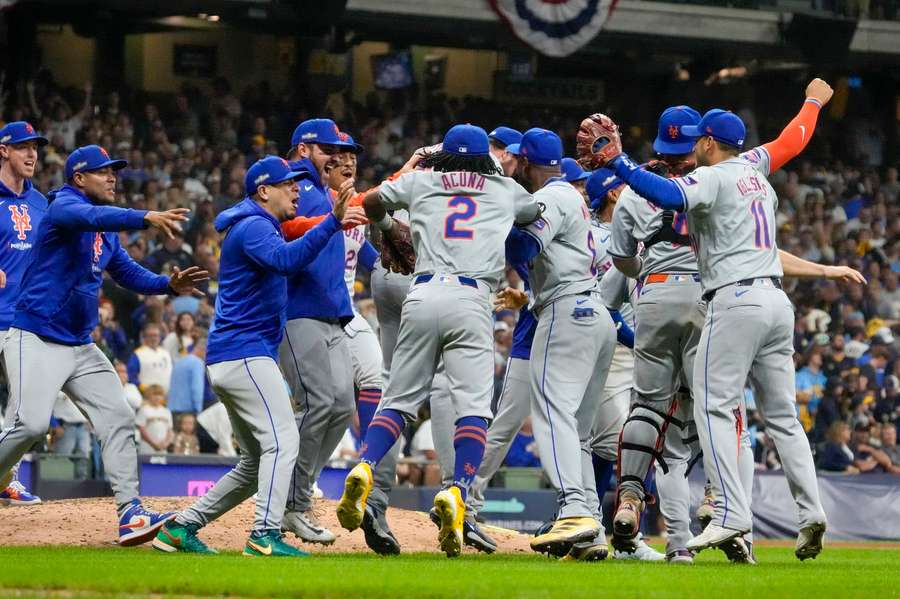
(386, 222)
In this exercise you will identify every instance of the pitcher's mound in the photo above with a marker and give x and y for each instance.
(92, 522)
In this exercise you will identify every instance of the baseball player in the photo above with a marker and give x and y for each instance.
(731, 219)
(501, 140)
(49, 348)
(25, 206)
(241, 353)
(573, 343)
(458, 212)
(314, 354)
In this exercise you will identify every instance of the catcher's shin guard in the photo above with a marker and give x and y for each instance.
(642, 441)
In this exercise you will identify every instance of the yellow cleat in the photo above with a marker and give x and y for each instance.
(451, 511)
(564, 534)
(352, 507)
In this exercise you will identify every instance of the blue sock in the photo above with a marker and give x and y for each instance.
(382, 433)
(366, 408)
(471, 435)
(603, 471)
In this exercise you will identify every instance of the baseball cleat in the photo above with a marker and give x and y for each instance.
(137, 525)
(352, 507)
(713, 536)
(6, 479)
(473, 535)
(306, 527)
(16, 494)
(681, 557)
(565, 533)
(378, 535)
(627, 520)
(174, 537)
(810, 541)
(707, 509)
(594, 550)
(269, 543)
(738, 551)
(451, 510)
(640, 552)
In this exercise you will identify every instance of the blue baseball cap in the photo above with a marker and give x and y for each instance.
(18, 132)
(466, 140)
(348, 139)
(721, 125)
(270, 170)
(318, 131)
(514, 149)
(541, 146)
(91, 158)
(505, 135)
(671, 138)
(601, 182)
(572, 171)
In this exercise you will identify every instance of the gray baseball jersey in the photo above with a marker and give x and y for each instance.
(634, 221)
(731, 218)
(615, 288)
(457, 218)
(565, 266)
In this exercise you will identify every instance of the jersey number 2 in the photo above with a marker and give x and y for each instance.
(465, 209)
(762, 238)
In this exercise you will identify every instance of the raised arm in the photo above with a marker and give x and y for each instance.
(660, 191)
(71, 214)
(794, 266)
(131, 275)
(266, 247)
(799, 131)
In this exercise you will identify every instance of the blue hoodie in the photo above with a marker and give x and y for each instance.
(76, 242)
(318, 290)
(252, 299)
(523, 334)
(17, 237)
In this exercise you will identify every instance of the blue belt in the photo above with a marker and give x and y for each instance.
(470, 282)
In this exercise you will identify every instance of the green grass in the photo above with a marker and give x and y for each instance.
(78, 572)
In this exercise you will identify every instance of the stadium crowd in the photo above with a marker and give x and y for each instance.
(192, 149)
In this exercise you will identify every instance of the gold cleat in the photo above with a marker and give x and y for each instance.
(352, 506)
(451, 511)
(564, 534)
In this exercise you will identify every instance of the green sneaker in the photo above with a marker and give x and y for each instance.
(269, 544)
(174, 537)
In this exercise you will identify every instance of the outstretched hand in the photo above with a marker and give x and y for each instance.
(845, 274)
(169, 222)
(345, 192)
(185, 281)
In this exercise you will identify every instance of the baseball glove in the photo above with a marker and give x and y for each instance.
(597, 141)
(395, 247)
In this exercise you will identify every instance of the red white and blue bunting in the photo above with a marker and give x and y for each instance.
(555, 27)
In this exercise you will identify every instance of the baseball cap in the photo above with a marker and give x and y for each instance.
(270, 170)
(18, 132)
(466, 140)
(541, 146)
(505, 135)
(671, 138)
(91, 158)
(601, 182)
(721, 125)
(572, 171)
(348, 139)
(318, 131)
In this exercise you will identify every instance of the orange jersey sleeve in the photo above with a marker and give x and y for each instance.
(794, 137)
(297, 227)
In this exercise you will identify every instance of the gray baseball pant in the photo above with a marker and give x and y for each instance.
(316, 361)
(38, 369)
(254, 393)
(570, 358)
(513, 407)
(749, 333)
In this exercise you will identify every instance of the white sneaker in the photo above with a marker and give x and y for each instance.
(306, 526)
(642, 552)
(713, 536)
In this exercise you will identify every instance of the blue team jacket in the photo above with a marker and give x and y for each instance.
(523, 334)
(252, 299)
(76, 242)
(318, 290)
(21, 217)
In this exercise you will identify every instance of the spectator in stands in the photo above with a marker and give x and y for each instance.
(171, 253)
(150, 364)
(188, 381)
(72, 435)
(132, 393)
(837, 455)
(180, 341)
(425, 470)
(810, 381)
(154, 421)
(890, 448)
(186, 441)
